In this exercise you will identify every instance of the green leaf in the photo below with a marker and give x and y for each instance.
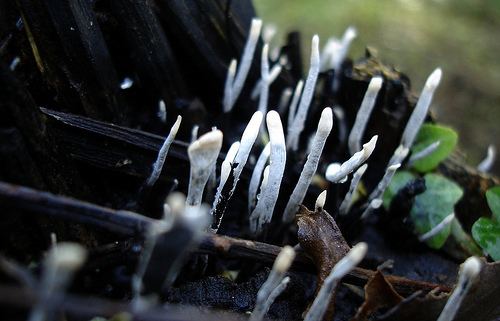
(428, 134)
(432, 206)
(400, 179)
(486, 232)
(493, 198)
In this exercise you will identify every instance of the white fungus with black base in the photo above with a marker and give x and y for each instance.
(487, 163)
(293, 106)
(344, 266)
(311, 165)
(202, 155)
(438, 228)
(263, 211)
(320, 201)
(428, 150)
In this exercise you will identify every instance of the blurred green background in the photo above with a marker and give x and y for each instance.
(460, 36)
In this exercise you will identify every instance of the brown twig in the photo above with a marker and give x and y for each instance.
(129, 224)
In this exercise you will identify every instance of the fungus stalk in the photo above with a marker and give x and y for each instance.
(257, 175)
(438, 228)
(162, 111)
(307, 96)
(344, 266)
(202, 156)
(59, 266)
(275, 283)
(272, 75)
(311, 165)
(263, 211)
(375, 198)
(246, 143)
(487, 163)
(468, 273)
(162, 154)
(363, 115)
(336, 174)
(230, 96)
(418, 115)
(346, 204)
(264, 76)
(340, 54)
(424, 152)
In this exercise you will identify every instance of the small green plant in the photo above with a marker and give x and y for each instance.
(486, 231)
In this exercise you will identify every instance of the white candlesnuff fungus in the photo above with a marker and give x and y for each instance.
(247, 140)
(293, 106)
(228, 86)
(59, 265)
(264, 77)
(274, 284)
(330, 49)
(424, 152)
(265, 177)
(487, 162)
(438, 228)
(194, 133)
(162, 154)
(346, 204)
(363, 115)
(268, 32)
(307, 96)
(257, 175)
(468, 273)
(245, 63)
(263, 211)
(311, 165)
(335, 175)
(344, 266)
(202, 156)
(162, 111)
(320, 201)
(284, 100)
(417, 117)
(225, 170)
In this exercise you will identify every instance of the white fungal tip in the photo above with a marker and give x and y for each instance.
(434, 79)
(255, 28)
(67, 255)
(394, 167)
(208, 144)
(315, 47)
(350, 33)
(177, 202)
(376, 203)
(232, 67)
(268, 32)
(332, 170)
(358, 252)
(375, 84)
(471, 267)
(370, 146)
(320, 201)
(326, 121)
(275, 127)
(126, 83)
(284, 259)
(362, 169)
